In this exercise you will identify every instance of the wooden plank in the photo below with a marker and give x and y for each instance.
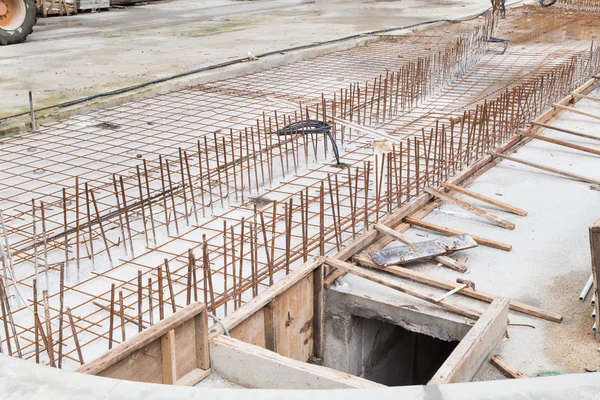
(547, 169)
(575, 111)
(251, 330)
(444, 260)
(485, 199)
(506, 368)
(258, 302)
(399, 286)
(470, 354)
(586, 97)
(202, 347)
(562, 143)
(185, 353)
(193, 377)
(443, 284)
(563, 130)
(254, 367)
(169, 365)
(449, 231)
(270, 330)
(471, 208)
(318, 312)
(420, 250)
(293, 311)
(144, 338)
(143, 365)
(595, 251)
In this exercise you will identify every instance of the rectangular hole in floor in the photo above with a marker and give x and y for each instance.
(394, 356)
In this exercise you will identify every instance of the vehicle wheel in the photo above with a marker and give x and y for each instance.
(17, 18)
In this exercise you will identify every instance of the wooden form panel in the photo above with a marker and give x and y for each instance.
(287, 318)
(251, 330)
(293, 321)
(595, 250)
(174, 351)
(476, 346)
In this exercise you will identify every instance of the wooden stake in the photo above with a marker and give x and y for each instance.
(547, 169)
(394, 284)
(485, 199)
(449, 232)
(506, 368)
(471, 208)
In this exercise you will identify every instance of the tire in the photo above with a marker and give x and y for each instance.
(16, 31)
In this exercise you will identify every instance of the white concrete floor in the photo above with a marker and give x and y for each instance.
(70, 57)
(550, 260)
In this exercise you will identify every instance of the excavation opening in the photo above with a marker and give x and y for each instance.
(393, 356)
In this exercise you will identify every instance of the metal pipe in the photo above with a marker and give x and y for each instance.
(586, 288)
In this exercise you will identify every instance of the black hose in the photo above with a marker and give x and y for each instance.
(544, 4)
(242, 60)
(310, 127)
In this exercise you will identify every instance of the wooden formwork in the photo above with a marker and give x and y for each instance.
(174, 351)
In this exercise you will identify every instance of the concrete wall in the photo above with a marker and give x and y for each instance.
(359, 325)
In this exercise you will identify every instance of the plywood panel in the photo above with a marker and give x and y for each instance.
(294, 312)
(145, 365)
(251, 330)
(185, 348)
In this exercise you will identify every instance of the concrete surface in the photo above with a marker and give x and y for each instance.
(550, 260)
(71, 57)
(22, 380)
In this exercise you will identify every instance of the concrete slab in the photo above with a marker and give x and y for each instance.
(71, 57)
(550, 260)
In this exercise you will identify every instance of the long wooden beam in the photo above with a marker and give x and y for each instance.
(583, 96)
(563, 130)
(470, 354)
(471, 208)
(443, 284)
(396, 285)
(485, 199)
(449, 231)
(562, 143)
(547, 169)
(575, 111)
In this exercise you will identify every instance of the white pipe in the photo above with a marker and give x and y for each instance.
(586, 288)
